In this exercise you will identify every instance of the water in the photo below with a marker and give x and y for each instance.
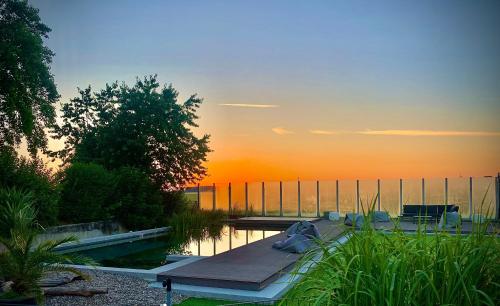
(151, 253)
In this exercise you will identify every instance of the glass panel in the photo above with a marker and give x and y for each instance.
(412, 191)
(238, 198)
(434, 191)
(290, 198)
(347, 196)
(206, 197)
(308, 198)
(272, 198)
(483, 196)
(222, 196)
(254, 199)
(368, 195)
(389, 197)
(327, 196)
(458, 194)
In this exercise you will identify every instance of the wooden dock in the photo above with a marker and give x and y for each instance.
(268, 222)
(249, 267)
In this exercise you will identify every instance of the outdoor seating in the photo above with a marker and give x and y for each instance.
(428, 212)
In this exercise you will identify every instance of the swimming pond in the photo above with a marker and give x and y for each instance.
(151, 253)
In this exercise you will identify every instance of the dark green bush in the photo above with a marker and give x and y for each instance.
(87, 193)
(139, 202)
(31, 176)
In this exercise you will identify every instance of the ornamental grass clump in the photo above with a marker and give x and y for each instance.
(428, 267)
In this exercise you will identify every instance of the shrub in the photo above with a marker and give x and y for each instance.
(139, 201)
(32, 176)
(87, 193)
(21, 262)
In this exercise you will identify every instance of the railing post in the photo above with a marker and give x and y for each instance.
(471, 207)
(263, 200)
(246, 199)
(213, 197)
(497, 197)
(229, 199)
(198, 196)
(298, 199)
(400, 197)
(357, 196)
(378, 194)
(337, 195)
(281, 199)
(317, 199)
(446, 191)
(423, 191)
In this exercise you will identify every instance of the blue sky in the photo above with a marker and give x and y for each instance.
(328, 65)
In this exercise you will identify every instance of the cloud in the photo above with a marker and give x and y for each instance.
(281, 131)
(324, 132)
(426, 133)
(249, 105)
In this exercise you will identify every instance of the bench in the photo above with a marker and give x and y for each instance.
(428, 212)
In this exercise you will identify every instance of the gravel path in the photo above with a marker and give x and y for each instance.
(122, 290)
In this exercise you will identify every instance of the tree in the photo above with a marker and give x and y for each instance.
(139, 126)
(27, 89)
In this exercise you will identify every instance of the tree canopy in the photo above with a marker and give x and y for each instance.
(27, 89)
(141, 126)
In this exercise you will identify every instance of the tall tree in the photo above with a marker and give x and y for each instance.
(141, 126)
(27, 89)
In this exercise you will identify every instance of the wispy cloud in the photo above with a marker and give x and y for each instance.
(281, 131)
(427, 133)
(249, 105)
(324, 132)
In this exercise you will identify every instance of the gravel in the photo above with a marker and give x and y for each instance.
(122, 290)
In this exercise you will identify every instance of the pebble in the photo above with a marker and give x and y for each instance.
(122, 290)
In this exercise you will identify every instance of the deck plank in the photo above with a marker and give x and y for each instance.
(250, 267)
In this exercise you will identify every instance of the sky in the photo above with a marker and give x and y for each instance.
(305, 89)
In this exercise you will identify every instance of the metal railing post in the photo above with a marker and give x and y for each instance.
(378, 194)
(400, 197)
(337, 195)
(497, 197)
(471, 207)
(213, 197)
(281, 199)
(229, 198)
(246, 199)
(446, 191)
(317, 199)
(423, 191)
(357, 196)
(198, 196)
(263, 200)
(299, 213)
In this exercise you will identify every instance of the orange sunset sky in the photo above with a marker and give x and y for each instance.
(309, 90)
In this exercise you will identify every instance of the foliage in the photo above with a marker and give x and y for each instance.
(139, 126)
(87, 193)
(21, 262)
(197, 224)
(139, 202)
(27, 89)
(377, 268)
(32, 176)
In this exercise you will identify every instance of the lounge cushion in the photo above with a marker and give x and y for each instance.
(353, 218)
(300, 237)
(381, 216)
(452, 220)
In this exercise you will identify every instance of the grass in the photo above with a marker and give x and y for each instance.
(376, 268)
(197, 224)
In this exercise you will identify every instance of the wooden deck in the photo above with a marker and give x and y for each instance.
(267, 222)
(249, 267)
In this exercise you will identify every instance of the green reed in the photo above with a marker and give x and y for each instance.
(396, 268)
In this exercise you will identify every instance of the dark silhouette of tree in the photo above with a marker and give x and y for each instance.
(141, 126)
(27, 89)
